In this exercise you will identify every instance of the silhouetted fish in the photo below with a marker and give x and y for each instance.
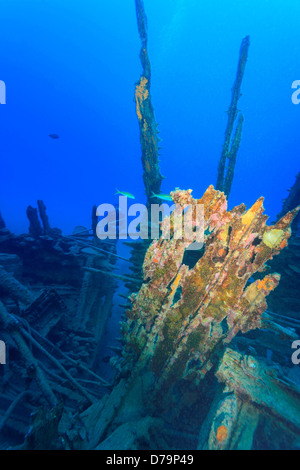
(53, 136)
(124, 193)
(163, 197)
(106, 359)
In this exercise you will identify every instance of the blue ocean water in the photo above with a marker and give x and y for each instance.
(70, 69)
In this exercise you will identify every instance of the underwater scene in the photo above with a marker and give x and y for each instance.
(149, 227)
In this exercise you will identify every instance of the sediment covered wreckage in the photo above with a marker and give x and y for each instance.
(194, 368)
(181, 341)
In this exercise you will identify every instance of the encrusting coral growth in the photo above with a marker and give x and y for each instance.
(149, 142)
(145, 113)
(187, 311)
(233, 137)
(291, 202)
(183, 316)
(252, 390)
(189, 305)
(285, 300)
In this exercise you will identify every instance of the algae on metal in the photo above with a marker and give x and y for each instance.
(183, 316)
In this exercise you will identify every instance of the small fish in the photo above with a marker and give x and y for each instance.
(106, 359)
(53, 136)
(163, 197)
(124, 193)
(251, 350)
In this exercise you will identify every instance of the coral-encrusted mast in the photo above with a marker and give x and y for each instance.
(182, 317)
(233, 138)
(145, 113)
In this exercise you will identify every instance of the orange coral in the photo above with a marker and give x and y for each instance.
(177, 337)
(175, 283)
(222, 433)
(265, 284)
(148, 167)
(141, 94)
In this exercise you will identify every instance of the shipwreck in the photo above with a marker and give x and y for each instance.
(201, 360)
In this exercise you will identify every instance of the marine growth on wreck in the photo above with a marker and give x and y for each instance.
(169, 344)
